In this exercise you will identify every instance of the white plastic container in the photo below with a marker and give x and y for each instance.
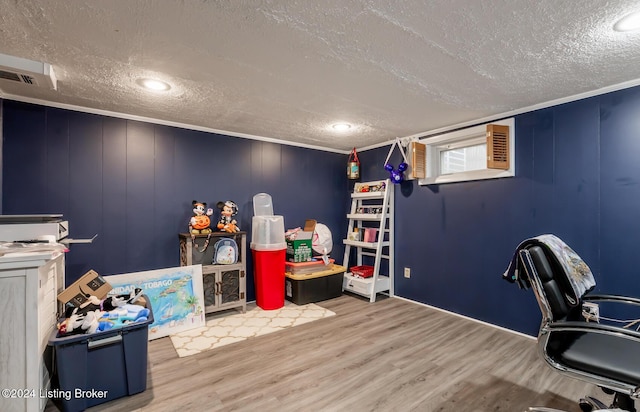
(262, 205)
(267, 233)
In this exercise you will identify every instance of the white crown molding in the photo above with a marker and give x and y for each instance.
(512, 113)
(167, 123)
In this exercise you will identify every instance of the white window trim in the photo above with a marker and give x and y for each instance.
(465, 137)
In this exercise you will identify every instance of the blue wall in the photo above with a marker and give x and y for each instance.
(577, 176)
(132, 183)
(577, 169)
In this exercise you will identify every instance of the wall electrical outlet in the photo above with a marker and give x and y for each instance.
(407, 273)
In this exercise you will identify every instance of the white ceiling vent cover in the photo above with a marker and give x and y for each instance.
(25, 71)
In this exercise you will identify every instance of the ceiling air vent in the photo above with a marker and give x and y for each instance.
(28, 72)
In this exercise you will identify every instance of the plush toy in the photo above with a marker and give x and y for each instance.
(227, 223)
(90, 323)
(90, 316)
(200, 222)
(93, 303)
(70, 323)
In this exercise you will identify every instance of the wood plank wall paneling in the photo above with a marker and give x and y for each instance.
(620, 180)
(132, 183)
(85, 189)
(140, 205)
(57, 166)
(577, 176)
(24, 161)
(114, 191)
(164, 188)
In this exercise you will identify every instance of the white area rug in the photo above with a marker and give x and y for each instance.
(226, 328)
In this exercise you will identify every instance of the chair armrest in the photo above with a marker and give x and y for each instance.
(612, 298)
(592, 327)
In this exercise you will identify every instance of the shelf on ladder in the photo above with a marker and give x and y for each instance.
(376, 196)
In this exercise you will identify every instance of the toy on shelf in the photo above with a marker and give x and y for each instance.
(370, 187)
(369, 210)
(227, 223)
(199, 224)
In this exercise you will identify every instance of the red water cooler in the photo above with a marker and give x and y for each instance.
(269, 250)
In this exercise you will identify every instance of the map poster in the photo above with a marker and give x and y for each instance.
(176, 295)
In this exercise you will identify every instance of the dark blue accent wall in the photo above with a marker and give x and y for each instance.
(577, 167)
(577, 176)
(132, 183)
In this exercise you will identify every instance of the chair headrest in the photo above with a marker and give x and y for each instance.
(576, 271)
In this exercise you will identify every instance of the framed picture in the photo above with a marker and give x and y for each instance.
(176, 296)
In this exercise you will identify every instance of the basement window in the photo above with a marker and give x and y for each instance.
(475, 153)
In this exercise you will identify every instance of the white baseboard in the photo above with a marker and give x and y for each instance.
(468, 318)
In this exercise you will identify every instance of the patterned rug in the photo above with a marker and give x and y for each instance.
(226, 328)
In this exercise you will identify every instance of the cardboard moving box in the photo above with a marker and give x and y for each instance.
(91, 283)
(300, 249)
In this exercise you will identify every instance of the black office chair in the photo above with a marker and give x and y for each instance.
(574, 339)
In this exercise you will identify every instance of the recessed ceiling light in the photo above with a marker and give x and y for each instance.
(341, 127)
(629, 22)
(153, 84)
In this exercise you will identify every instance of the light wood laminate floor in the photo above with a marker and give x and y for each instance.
(391, 355)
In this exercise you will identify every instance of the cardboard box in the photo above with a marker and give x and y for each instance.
(91, 283)
(300, 249)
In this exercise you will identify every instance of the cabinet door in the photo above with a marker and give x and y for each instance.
(230, 288)
(210, 286)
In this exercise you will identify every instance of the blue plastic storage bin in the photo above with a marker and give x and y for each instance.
(100, 367)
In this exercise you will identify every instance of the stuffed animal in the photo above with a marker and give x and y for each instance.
(70, 323)
(90, 316)
(90, 324)
(93, 303)
(200, 222)
(227, 223)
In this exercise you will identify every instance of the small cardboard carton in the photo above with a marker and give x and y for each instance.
(91, 283)
(300, 249)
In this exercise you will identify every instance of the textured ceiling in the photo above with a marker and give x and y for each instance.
(288, 69)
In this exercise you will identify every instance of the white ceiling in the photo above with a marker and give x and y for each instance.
(288, 69)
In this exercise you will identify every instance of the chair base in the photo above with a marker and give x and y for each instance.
(624, 402)
(589, 404)
(621, 402)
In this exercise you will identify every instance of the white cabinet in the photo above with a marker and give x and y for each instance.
(29, 286)
(370, 233)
